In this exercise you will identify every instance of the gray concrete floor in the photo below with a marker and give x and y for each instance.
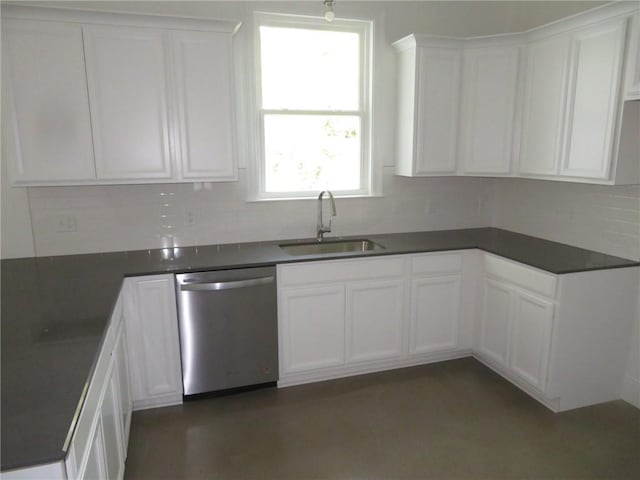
(450, 420)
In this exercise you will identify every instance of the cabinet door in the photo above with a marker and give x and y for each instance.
(530, 338)
(44, 86)
(312, 328)
(204, 68)
(153, 342)
(128, 94)
(374, 320)
(95, 467)
(437, 97)
(544, 105)
(111, 420)
(489, 102)
(434, 313)
(493, 341)
(632, 82)
(124, 386)
(593, 101)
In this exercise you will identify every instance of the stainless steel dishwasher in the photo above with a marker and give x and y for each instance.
(228, 328)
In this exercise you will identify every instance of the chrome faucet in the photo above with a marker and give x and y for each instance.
(322, 229)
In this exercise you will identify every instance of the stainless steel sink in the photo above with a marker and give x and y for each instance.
(330, 246)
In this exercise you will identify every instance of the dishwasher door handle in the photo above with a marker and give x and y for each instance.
(208, 286)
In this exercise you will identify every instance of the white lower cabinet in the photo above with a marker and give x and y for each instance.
(105, 457)
(515, 331)
(312, 328)
(374, 319)
(344, 317)
(124, 387)
(435, 309)
(560, 338)
(531, 338)
(153, 341)
(99, 445)
(495, 321)
(516, 320)
(95, 466)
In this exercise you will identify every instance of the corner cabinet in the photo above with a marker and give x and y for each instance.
(145, 101)
(514, 331)
(557, 337)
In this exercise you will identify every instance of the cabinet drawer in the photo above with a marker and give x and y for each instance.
(436, 263)
(340, 270)
(521, 275)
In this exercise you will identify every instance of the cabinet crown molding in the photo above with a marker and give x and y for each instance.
(72, 15)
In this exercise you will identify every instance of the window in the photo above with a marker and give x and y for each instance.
(313, 99)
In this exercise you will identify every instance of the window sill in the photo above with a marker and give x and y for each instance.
(313, 197)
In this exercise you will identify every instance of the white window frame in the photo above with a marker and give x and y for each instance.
(364, 28)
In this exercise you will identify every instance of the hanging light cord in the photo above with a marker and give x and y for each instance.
(329, 14)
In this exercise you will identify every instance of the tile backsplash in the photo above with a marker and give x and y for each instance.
(68, 220)
(596, 217)
(130, 217)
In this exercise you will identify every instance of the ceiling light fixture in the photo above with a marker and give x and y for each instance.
(329, 15)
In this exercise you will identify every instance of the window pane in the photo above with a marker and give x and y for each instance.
(311, 152)
(309, 69)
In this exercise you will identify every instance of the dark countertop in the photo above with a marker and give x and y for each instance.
(55, 310)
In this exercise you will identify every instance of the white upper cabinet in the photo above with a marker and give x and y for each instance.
(429, 71)
(489, 100)
(203, 69)
(544, 105)
(597, 54)
(45, 104)
(126, 75)
(107, 98)
(632, 81)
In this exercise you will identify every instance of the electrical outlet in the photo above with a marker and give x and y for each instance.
(66, 223)
(190, 217)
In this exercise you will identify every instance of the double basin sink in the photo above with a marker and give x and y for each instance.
(331, 246)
